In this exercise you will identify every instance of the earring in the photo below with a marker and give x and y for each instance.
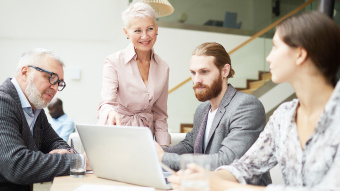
(157, 34)
(127, 37)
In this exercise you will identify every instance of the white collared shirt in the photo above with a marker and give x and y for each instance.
(30, 114)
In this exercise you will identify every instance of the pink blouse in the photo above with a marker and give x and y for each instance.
(124, 91)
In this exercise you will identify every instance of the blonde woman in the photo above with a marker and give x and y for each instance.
(135, 80)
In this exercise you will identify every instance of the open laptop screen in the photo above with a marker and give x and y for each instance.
(122, 153)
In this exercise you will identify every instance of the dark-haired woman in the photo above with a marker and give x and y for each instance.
(303, 135)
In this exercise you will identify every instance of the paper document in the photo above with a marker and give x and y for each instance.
(91, 187)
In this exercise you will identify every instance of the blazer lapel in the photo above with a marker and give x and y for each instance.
(37, 132)
(228, 96)
(24, 130)
(198, 147)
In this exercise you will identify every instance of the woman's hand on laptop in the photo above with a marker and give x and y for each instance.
(113, 118)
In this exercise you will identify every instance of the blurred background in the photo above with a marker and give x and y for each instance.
(84, 32)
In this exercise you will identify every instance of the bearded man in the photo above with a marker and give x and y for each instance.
(30, 150)
(227, 123)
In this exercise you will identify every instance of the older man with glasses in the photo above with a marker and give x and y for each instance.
(53, 78)
(30, 150)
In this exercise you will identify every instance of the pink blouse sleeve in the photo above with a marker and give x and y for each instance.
(109, 92)
(159, 110)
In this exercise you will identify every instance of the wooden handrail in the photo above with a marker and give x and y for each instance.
(258, 34)
(269, 27)
(179, 85)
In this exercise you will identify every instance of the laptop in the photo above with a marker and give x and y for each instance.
(123, 153)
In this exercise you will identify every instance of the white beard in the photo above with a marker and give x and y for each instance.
(34, 96)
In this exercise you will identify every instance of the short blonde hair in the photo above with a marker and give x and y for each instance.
(138, 9)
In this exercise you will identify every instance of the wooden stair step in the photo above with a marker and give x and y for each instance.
(257, 84)
(266, 76)
(248, 91)
(253, 85)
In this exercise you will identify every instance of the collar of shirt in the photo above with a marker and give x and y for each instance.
(329, 113)
(26, 106)
(326, 118)
(131, 54)
(61, 118)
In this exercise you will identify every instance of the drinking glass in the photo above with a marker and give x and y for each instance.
(198, 180)
(78, 159)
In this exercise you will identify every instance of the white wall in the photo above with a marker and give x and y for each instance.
(83, 33)
(276, 95)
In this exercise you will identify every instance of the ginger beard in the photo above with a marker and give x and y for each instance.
(208, 92)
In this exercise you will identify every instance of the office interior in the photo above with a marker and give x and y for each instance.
(83, 33)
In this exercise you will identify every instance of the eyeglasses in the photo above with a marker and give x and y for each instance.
(53, 78)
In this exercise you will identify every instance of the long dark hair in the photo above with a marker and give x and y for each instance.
(319, 35)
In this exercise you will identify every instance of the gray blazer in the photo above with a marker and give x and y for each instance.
(237, 124)
(24, 158)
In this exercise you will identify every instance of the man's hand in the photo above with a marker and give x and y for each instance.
(59, 151)
(113, 118)
(160, 151)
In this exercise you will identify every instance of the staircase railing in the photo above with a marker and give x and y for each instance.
(258, 34)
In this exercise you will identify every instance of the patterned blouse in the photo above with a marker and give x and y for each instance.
(315, 167)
